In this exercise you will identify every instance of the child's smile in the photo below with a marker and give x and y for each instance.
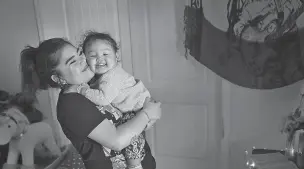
(101, 57)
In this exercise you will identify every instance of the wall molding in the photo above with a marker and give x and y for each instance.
(125, 35)
(147, 40)
(38, 20)
(226, 114)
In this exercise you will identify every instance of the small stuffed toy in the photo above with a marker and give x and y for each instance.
(23, 136)
(4, 99)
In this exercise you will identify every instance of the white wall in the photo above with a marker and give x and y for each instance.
(255, 113)
(255, 118)
(251, 117)
(17, 28)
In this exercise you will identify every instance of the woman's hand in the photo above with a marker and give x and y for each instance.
(152, 109)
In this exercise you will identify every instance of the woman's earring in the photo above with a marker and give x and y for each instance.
(62, 83)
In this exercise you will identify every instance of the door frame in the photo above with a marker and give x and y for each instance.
(45, 11)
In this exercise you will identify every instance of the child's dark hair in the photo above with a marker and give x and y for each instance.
(92, 36)
(38, 64)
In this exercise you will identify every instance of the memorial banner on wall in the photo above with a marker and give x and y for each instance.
(261, 48)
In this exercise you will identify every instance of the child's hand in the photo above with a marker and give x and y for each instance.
(83, 88)
(152, 109)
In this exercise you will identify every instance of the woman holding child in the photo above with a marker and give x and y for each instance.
(95, 119)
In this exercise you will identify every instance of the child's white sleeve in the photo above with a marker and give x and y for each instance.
(111, 83)
(94, 95)
(110, 89)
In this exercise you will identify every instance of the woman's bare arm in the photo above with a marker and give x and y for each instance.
(117, 138)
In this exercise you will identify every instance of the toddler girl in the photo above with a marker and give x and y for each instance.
(114, 86)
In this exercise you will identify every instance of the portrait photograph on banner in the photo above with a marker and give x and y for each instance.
(260, 46)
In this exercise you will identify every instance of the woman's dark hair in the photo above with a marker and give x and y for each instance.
(92, 36)
(24, 101)
(38, 64)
